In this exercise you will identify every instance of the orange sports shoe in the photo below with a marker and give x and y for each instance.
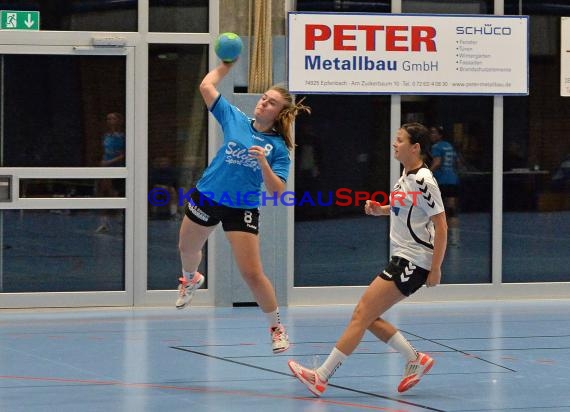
(309, 377)
(414, 371)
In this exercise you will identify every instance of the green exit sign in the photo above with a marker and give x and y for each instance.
(19, 20)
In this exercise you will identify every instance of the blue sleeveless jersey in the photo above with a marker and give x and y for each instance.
(445, 174)
(113, 145)
(233, 178)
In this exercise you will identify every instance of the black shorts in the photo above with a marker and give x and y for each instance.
(449, 191)
(206, 212)
(408, 277)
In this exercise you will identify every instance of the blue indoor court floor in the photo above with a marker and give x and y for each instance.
(490, 356)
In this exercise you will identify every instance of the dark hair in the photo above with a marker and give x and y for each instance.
(439, 129)
(420, 134)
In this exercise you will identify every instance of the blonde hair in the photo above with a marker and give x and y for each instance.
(284, 122)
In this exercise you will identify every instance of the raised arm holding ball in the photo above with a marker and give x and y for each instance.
(254, 151)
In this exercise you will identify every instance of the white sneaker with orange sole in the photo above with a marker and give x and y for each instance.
(279, 339)
(186, 289)
(309, 377)
(414, 371)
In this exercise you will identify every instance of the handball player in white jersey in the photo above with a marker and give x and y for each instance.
(418, 236)
(255, 151)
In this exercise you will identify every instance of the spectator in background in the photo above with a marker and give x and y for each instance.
(444, 167)
(561, 177)
(113, 156)
(162, 175)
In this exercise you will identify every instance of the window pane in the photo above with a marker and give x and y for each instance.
(369, 6)
(57, 116)
(536, 7)
(186, 16)
(467, 124)
(536, 185)
(343, 145)
(448, 6)
(60, 251)
(80, 15)
(177, 147)
(342, 148)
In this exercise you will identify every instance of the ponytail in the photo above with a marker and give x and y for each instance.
(284, 122)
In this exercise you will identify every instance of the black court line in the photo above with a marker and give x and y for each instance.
(459, 351)
(368, 353)
(375, 395)
(504, 337)
(418, 338)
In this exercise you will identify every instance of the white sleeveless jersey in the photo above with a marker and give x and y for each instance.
(415, 198)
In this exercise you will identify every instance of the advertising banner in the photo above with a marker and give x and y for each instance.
(407, 54)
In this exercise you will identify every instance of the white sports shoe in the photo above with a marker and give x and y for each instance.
(279, 339)
(187, 288)
(308, 377)
(414, 371)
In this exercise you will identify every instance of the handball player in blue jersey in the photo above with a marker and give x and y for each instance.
(444, 167)
(255, 151)
(113, 142)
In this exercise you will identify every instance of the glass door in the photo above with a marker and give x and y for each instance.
(66, 151)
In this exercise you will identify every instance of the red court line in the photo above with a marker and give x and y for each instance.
(202, 390)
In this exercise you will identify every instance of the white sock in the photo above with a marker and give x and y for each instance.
(188, 275)
(329, 367)
(273, 318)
(401, 344)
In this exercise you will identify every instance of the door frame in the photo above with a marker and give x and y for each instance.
(79, 43)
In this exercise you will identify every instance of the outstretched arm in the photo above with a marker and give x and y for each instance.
(208, 87)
